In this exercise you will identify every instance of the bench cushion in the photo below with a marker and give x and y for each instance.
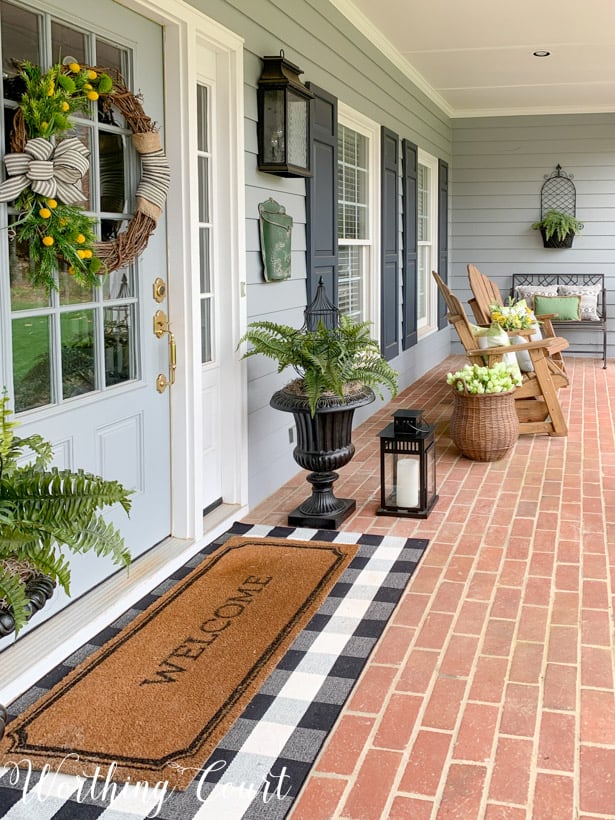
(528, 292)
(565, 308)
(589, 299)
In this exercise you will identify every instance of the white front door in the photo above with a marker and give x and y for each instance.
(80, 365)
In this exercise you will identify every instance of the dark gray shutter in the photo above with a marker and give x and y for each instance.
(322, 259)
(442, 236)
(409, 180)
(390, 245)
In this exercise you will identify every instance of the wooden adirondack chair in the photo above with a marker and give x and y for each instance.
(487, 293)
(536, 400)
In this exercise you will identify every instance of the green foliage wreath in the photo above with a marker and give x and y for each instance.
(54, 230)
(45, 170)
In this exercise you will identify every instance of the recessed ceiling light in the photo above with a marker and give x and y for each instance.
(541, 53)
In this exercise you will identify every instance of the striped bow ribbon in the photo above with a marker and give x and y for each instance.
(155, 178)
(54, 172)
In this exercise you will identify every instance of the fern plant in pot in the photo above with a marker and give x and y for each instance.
(45, 514)
(338, 367)
(558, 229)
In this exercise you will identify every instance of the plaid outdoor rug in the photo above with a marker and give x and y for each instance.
(259, 766)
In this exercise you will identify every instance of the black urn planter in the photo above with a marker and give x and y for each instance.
(554, 242)
(324, 445)
(39, 590)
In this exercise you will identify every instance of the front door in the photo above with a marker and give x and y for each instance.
(81, 365)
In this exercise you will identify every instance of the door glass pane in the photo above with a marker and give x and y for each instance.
(24, 295)
(201, 107)
(111, 57)
(111, 175)
(8, 115)
(203, 189)
(206, 351)
(118, 284)
(66, 42)
(204, 253)
(70, 292)
(119, 335)
(31, 362)
(78, 368)
(20, 41)
(110, 228)
(84, 135)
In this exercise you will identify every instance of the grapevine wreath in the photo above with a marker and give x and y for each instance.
(45, 169)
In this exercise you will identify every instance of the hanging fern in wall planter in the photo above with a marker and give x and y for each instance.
(558, 229)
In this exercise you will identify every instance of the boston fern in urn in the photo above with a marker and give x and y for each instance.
(337, 364)
(45, 513)
(328, 361)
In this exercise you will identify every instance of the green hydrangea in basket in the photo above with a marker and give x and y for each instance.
(475, 379)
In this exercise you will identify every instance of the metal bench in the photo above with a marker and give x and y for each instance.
(563, 328)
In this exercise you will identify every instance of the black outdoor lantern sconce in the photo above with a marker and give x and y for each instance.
(283, 119)
(407, 466)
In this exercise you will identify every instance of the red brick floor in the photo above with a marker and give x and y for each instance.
(491, 693)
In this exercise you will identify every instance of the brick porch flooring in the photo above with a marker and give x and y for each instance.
(491, 693)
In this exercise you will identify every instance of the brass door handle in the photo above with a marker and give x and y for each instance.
(161, 326)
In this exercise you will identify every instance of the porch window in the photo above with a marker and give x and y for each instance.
(355, 191)
(427, 213)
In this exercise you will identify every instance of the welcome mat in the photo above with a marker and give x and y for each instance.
(258, 767)
(190, 662)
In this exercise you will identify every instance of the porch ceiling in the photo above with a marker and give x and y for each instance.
(475, 58)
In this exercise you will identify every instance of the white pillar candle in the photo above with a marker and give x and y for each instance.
(408, 482)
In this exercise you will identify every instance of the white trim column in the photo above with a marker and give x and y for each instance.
(184, 28)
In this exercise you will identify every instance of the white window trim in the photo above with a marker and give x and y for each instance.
(369, 128)
(429, 324)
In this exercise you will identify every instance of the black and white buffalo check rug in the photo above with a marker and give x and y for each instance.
(259, 766)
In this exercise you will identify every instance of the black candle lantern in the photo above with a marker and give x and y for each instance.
(283, 119)
(407, 466)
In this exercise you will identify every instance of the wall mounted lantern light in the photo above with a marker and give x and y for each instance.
(407, 466)
(283, 119)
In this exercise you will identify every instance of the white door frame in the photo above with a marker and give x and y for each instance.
(183, 26)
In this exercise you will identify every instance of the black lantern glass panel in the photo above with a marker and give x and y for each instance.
(407, 466)
(283, 119)
(298, 124)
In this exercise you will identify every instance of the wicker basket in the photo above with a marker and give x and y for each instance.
(484, 427)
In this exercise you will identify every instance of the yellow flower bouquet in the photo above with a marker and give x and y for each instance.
(513, 315)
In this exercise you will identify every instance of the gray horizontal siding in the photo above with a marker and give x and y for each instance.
(499, 165)
(336, 57)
